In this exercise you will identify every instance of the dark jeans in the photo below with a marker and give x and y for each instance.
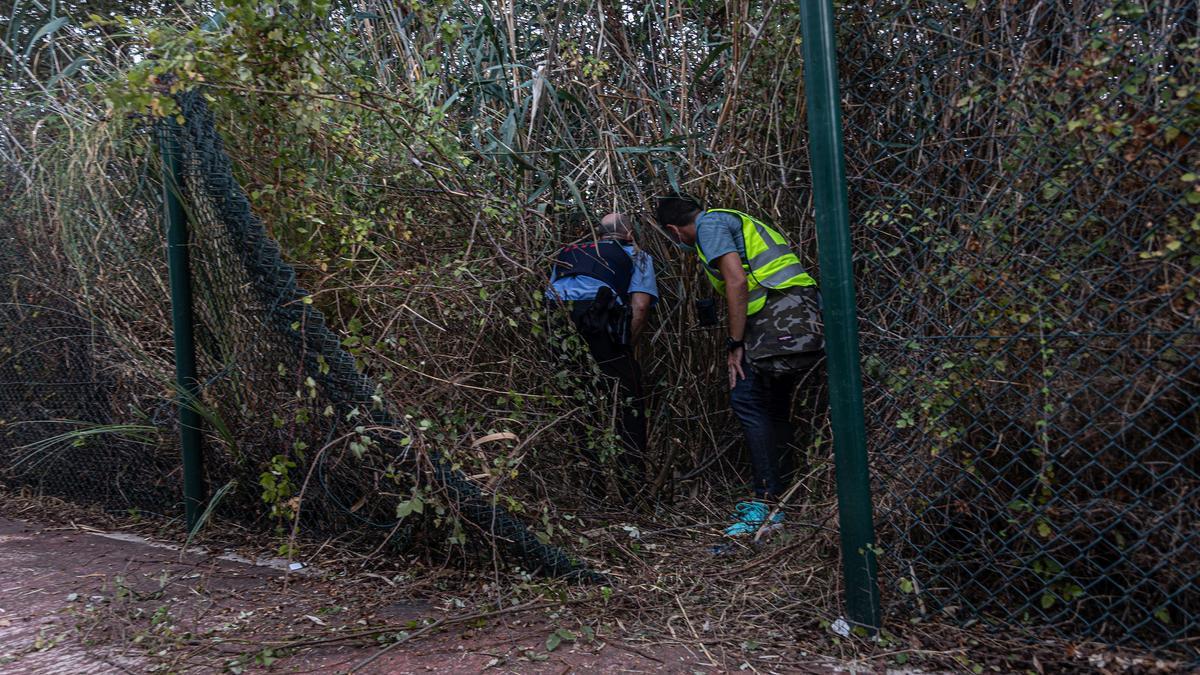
(763, 404)
(617, 362)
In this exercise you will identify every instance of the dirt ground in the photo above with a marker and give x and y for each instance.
(78, 600)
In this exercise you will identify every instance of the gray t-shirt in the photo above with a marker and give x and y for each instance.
(720, 233)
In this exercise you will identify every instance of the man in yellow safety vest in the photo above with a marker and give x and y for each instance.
(753, 266)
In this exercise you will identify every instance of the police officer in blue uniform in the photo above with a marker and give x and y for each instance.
(609, 286)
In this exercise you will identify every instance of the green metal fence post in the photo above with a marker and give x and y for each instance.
(181, 319)
(841, 322)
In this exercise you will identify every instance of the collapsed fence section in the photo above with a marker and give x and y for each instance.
(270, 366)
(1023, 182)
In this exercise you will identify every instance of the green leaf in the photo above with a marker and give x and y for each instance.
(647, 149)
(1043, 529)
(1048, 600)
(212, 504)
(906, 586)
(574, 189)
(708, 61)
(70, 70)
(1164, 615)
(553, 642)
(43, 32)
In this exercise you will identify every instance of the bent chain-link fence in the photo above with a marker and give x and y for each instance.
(272, 368)
(1022, 178)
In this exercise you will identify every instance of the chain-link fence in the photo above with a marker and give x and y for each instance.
(1022, 178)
(52, 391)
(81, 407)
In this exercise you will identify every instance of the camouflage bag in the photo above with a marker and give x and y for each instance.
(786, 335)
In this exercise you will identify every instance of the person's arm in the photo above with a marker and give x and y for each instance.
(640, 304)
(643, 291)
(737, 298)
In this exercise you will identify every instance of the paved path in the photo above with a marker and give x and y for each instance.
(77, 601)
(41, 581)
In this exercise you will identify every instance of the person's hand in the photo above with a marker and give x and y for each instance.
(734, 361)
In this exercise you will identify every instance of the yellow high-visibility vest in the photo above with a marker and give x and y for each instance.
(769, 262)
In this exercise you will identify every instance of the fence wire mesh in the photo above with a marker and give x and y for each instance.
(1027, 240)
(80, 407)
(53, 394)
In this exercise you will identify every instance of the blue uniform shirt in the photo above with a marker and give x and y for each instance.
(585, 288)
(720, 233)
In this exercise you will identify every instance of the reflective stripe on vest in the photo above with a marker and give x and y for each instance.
(771, 262)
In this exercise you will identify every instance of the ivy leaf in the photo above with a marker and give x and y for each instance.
(553, 641)
(1043, 529)
(408, 507)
